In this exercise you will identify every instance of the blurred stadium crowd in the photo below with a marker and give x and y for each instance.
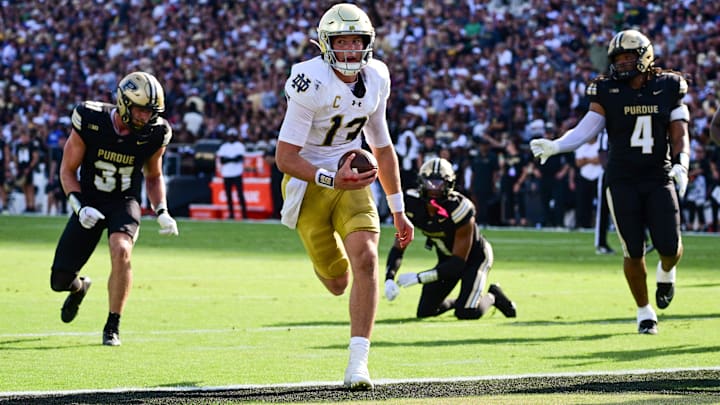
(473, 81)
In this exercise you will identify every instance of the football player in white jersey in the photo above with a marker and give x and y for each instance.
(332, 100)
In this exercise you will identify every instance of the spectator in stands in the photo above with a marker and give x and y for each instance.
(26, 157)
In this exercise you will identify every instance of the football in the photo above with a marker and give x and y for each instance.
(363, 161)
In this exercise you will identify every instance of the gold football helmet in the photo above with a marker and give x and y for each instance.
(345, 19)
(635, 42)
(139, 89)
(436, 179)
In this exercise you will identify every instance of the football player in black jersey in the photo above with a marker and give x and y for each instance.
(114, 147)
(447, 218)
(647, 123)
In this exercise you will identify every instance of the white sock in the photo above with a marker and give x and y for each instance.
(663, 276)
(359, 344)
(359, 349)
(646, 312)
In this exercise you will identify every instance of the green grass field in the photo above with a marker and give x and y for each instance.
(228, 304)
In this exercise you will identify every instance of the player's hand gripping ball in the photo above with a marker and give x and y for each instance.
(364, 161)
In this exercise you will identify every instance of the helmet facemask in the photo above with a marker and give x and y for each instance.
(345, 19)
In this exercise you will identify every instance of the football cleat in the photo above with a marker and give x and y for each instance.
(357, 377)
(502, 302)
(72, 302)
(604, 250)
(111, 338)
(664, 294)
(648, 327)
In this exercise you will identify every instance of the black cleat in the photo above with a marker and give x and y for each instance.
(72, 302)
(664, 294)
(502, 302)
(111, 338)
(648, 327)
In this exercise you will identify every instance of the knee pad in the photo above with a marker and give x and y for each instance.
(63, 281)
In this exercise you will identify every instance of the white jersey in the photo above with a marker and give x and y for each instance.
(339, 117)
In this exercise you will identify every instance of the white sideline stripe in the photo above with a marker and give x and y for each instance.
(336, 383)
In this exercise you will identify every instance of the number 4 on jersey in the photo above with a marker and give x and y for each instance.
(642, 134)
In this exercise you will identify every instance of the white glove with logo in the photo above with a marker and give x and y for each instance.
(392, 290)
(89, 216)
(408, 279)
(680, 174)
(543, 149)
(168, 226)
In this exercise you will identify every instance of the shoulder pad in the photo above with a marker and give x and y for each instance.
(86, 110)
(678, 80)
(306, 82)
(166, 131)
(461, 207)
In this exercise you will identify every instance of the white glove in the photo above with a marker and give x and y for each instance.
(408, 279)
(680, 174)
(89, 216)
(168, 226)
(392, 290)
(543, 149)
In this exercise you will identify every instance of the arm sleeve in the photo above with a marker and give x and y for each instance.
(589, 126)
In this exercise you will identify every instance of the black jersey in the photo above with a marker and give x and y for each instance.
(24, 154)
(112, 165)
(454, 212)
(637, 122)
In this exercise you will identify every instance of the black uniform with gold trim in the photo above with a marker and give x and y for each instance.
(637, 123)
(640, 191)
(112, 165)
(453, 212)
(110, 180)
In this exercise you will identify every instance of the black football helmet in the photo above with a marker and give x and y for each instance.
(436, 179)
(634, 42)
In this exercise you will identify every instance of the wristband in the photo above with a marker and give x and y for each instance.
(396, 202)
(75, 201)
(325, 178)
(684, 160)
(161, 208)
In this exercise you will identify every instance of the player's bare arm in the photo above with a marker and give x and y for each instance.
(72, 159)
(154, 179)
(291, 163)
(464, 239)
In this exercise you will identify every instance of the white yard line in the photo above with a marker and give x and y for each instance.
(336, 383)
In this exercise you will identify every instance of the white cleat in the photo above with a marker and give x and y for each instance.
(357, 377)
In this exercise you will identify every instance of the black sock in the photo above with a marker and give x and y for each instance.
(113, 322)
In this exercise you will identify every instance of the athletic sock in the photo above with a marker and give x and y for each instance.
(646, 312)
(663, 276)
